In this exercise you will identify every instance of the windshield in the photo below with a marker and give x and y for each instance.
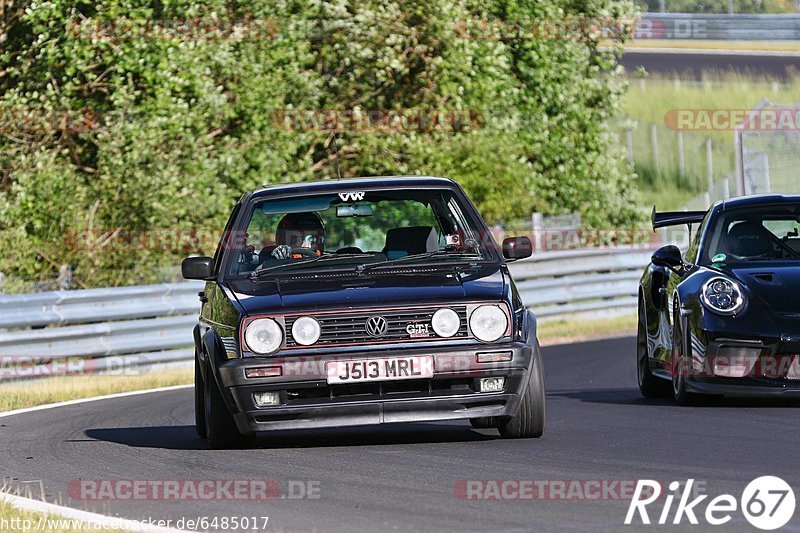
(755, 234)
(355, 228)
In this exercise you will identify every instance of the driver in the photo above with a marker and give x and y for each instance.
(295, 231)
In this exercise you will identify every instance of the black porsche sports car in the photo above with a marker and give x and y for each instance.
(724, 319)
(362, 301)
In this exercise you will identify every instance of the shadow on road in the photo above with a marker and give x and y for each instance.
(632, 396)
(185, 438)
(608, 396)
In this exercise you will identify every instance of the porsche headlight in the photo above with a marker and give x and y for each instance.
(488, 323)
(722, 296)
(446, 322)
(306, 330)
(263, 336)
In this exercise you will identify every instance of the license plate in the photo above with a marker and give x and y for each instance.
(385, 369)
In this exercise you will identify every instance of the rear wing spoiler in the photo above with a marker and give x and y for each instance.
(676, 218)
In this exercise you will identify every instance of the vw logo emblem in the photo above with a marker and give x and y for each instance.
(376, 326)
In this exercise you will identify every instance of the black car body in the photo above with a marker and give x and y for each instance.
(377, 356)
(725, 318)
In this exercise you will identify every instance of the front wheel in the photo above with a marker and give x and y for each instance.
(649, 385)
(199, 401)
(680, 365)
(222, 431)
(529, 422)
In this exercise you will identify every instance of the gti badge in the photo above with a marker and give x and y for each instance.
(376, 326)
(417, 331)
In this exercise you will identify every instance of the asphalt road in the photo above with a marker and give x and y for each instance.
(694, 64)
(402, 477)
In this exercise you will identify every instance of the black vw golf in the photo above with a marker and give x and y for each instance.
(361, 302)
(725, 318)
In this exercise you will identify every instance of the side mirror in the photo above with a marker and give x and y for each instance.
(517, 248)
(196, 268)
(669, 257)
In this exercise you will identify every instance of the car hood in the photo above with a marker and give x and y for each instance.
(776, 284)
(312, 290)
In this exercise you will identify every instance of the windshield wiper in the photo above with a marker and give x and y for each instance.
(422, 256)
(261, 272)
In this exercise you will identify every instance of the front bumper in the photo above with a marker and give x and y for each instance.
(308, 401)
(763, 366)
(743, 388)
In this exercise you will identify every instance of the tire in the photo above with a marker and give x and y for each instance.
(222, 431)
(529, 422)
(649, 385)
(680, 365)
(484, 422)
(199, 402)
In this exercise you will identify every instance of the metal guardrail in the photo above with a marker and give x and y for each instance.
(700, 26)
(559, 284)
(116, 329)
(113, 330)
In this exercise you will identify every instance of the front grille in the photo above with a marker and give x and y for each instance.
(350, 327)
(382, 390)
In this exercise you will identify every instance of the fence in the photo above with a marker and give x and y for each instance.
(116, 329)
(766, 161)
(686, 160)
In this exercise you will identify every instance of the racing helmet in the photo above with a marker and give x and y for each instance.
(302, 230)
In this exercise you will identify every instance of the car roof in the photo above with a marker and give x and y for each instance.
(757, 200)
(332, 185)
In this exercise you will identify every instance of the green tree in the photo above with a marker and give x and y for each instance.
(106, 143)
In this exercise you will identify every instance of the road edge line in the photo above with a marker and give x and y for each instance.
(77, 401)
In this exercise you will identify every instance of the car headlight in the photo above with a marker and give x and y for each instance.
(263, 336)
(446, 322)
(722, 296)
(306, 330)
(488, 323)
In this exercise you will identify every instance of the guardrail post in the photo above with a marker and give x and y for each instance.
(709, 163)
(537, 230)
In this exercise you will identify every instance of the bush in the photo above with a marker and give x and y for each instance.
(107, 142)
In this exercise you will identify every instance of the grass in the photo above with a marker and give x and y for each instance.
(698, 44)
(647, 102)
(13, 519)
(570, 330)
(51, 390)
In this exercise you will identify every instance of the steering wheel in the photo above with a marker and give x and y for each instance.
(305, 252)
